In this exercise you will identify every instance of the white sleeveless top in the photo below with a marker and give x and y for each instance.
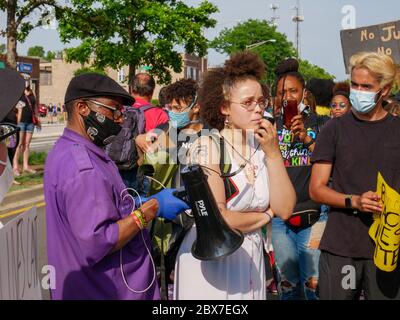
(240, 275)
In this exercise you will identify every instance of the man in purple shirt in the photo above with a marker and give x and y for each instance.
(96, 241)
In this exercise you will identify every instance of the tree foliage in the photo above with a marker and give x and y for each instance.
(136, 32)
(2, 48)
(309, 70)
(89, 70)
(22, 17)
(36, 51)
(251, 32)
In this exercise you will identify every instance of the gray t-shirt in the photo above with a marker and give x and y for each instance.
(358, 150)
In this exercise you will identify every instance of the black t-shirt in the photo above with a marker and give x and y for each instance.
(297, 159)
(358, 150)
(27, 110)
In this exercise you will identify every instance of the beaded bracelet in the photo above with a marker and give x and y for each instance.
(140, 216)
(135, 218)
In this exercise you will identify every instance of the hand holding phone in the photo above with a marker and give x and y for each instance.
(289, 111)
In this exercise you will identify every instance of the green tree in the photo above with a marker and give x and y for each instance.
(309, 70)
(21, 21)
(254, 32)
(89, 70)
(136, 32)
(250, 32)
(36, 51)
(51, 55)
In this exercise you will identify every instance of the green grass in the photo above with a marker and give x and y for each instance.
(28, 180)
(37, 158)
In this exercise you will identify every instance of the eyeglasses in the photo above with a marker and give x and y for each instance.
(250, 105)
(117, 114)
(341, 105)
(176, 108)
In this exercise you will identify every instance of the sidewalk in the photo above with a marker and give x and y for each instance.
(17, 200)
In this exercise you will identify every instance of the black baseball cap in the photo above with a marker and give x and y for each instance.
(12, 87)
(90, 85)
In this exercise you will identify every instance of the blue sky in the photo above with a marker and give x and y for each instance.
(320, 32)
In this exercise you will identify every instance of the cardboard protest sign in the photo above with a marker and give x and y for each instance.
(385, 231)
(384, 38)
(19, 265)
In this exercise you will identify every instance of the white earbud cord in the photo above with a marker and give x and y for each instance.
(144, 242)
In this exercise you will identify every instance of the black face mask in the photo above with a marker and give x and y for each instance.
(100, 129)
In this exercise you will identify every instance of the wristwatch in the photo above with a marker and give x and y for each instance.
(347, 202)
(348, 205)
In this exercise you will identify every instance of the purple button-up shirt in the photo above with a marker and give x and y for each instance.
(83, 194)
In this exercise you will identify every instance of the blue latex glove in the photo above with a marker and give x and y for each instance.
(169, 206)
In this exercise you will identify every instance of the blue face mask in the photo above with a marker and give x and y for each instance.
(179, 120)
(362, 101)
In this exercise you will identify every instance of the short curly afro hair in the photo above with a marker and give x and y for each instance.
(184, 90)
(341, 89)
(218, 83)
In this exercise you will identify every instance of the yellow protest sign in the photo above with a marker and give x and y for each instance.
(385, 231)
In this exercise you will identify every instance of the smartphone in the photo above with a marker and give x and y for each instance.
(289, 111)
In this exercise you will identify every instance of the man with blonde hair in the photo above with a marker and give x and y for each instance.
(353, 149)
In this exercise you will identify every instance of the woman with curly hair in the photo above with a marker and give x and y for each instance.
(340, 103)
(231, 101)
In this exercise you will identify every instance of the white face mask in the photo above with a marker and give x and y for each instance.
(6, 178)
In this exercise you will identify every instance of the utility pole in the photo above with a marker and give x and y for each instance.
(297, 19)
(274, 7)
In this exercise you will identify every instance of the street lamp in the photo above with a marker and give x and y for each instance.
(252, 46)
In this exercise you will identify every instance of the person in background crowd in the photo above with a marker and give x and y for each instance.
(231, 101)
(296, 241)
(174, 140)
(393, 108)
(353, 149)
(309, 100)
(11, 89)
(142, 88)
(340, 103)
(322, 91)
(96, 234)
(162, 97)
(27, 110)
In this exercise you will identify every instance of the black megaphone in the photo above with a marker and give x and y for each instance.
(215, 239)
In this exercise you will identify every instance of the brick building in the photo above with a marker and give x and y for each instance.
(29, 66)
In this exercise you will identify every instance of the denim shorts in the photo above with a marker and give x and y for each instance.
(26, 127)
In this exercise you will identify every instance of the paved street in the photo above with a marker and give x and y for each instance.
(45, 139)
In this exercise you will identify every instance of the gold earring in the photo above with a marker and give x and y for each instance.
(227, 124)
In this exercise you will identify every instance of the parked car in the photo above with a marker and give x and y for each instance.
(42, 110)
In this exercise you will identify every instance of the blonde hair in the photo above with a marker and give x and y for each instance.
(380, 65)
